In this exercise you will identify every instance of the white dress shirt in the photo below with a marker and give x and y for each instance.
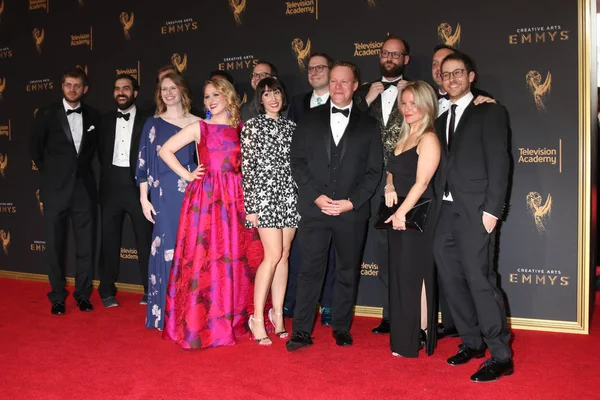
(75, 124)
(124, 131)
(318, 100)
(339, 122)
(388, 99)
(461, 106)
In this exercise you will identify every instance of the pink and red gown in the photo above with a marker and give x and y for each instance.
(211, 287)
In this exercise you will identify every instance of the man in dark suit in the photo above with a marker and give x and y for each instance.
(63, 144)
(118, 143)
(446, 328)
(471, 186)
(380, 100)
(337, 163)
(319, 65)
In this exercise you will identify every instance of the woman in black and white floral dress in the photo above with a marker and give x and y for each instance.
(270, 201)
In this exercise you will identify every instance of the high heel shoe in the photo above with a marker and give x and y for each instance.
(265, 341)
(423, 339)
(281, 334)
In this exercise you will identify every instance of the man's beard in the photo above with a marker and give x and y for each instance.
(395, 72)
(127, 104)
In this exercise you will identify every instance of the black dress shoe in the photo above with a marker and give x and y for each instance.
(492, 370)
(383, 328)
(84, 305)
(443, 332)
(58, 308)
(464, 355)
(342, 338)
(298, 341)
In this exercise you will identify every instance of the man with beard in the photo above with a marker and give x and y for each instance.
(119, 195)
(63, 142)
(379, 99)
(319, 65)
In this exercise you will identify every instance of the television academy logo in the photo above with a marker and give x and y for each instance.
(5, 239)
(127, 23)
(237, 7)
(39, 5)
(83, 39)
(302, 7)
(301, 52)
(178, 62)
(538, 89)
(39, 201)
(539, 212)
(135, 72)
(38, 39)
(5, 130)
(3, 164)
(446, 35)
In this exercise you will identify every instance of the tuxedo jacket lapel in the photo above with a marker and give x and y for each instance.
(327, 137)
(86, 126)
(138, 125)
(443, 121)
(461, 123)
(352, 124)
(62, 117)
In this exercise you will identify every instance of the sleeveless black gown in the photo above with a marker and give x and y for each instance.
(410, 263)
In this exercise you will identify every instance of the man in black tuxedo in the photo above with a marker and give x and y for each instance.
(319, 65)
(471, 185)
(118, 144)
(446, 328)
(336, 160)
(63, 144)
(380, 100)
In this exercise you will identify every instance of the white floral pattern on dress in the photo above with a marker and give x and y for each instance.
(152, 134)
(155, 246)
(153, 279)
(169, 255)
(157, 312)
(181, 185)
(141, 160)
(150, 180)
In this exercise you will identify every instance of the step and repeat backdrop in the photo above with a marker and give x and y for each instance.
(526, 54)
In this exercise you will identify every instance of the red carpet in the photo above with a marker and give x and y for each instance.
(108, 354)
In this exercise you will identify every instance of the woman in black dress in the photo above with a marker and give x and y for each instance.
(412, 272)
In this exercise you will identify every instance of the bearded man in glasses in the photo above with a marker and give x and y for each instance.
(379, 99)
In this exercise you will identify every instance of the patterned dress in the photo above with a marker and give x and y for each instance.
(210, 294)
(166, 191)
(270, 190)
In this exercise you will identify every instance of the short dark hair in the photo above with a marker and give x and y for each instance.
(395, 37)
(273, 68)
(324, 55)
(76, 73)
(224, 74)
(272, 84)
(134, 83)
(353, 67)
(444, 46)
(164, 68)
(465, 59)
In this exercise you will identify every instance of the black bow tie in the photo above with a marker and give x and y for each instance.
(77, 110)
(387, 85)
(443, 96)
(345, 112)
(124, 116)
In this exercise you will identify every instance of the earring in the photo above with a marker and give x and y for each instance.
(208, 114)
(228, 113)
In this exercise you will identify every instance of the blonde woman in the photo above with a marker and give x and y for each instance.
(412, 273)
(209, 297)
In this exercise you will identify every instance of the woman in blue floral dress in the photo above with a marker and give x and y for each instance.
(162, 190)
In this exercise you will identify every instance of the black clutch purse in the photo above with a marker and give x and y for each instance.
(415, 218)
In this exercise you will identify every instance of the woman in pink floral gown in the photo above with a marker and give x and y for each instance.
(209, 297)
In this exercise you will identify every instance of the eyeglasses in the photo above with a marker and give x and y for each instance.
(316, 69)
(262, 75)
(393, 54)
(457, 73)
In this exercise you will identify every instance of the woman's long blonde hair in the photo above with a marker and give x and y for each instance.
(180, 82)
(233, 100)
(426, 101)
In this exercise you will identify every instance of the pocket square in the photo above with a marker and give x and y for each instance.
(91, 128)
